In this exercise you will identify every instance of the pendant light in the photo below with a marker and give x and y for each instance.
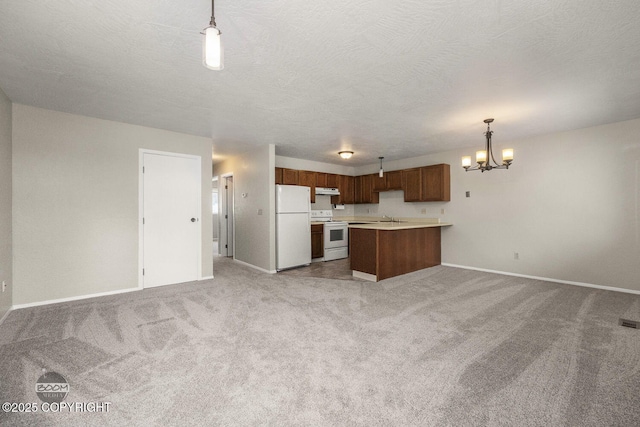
(212, 52)
(381, 171)
(484, 157)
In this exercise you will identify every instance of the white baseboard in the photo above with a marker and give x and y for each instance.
(365, 276)
(6, 314)
(255, 267)
(81, 297)
(205, 278)
(547, 279)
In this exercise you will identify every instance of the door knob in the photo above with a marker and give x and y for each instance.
(193, 220)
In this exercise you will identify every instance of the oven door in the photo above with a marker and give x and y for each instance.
(336, 235)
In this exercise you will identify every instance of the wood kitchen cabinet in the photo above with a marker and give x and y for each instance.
(317, 241)
(346, 187)
(279, 176)
(321, 179)
(436, 183)
(308, 179)
(412, 184)
(333, 180)
(290, 176)
(394, 180)
(391, 180)
(363, 189)
(381, 254)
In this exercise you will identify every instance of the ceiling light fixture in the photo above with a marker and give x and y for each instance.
(484, 157)
(381, 171)
(345, 154)
(212, 52)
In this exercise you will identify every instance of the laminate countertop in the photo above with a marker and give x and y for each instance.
(402, 225)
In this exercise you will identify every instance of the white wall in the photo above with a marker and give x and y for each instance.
(253, 175)
(5, 203)
(75, 202)
(569, 206)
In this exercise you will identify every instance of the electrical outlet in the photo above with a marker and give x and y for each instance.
(468, 193)
(4, 286)
(516, 255)
(423, 211)
(259, 211)
(442, 211)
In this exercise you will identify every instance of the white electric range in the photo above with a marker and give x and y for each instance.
(336, 235)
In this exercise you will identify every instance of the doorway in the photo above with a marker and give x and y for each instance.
(227, 217)
(170, 206)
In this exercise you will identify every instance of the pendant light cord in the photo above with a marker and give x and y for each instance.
(213, 15)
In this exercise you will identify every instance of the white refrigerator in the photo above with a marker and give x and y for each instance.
(293, 226)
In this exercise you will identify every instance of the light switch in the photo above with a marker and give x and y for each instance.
(259, 211)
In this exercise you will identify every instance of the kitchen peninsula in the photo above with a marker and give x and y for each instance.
(384, 249)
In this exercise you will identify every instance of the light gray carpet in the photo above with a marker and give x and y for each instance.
(441, 346)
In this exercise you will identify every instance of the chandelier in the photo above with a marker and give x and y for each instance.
(484, 157)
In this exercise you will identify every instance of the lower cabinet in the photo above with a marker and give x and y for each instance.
(317, 241)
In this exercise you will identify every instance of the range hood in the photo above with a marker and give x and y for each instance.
(327, 191)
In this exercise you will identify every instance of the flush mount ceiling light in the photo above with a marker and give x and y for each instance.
(212, 52)
(484, 157)
(381, 171)
(345, 154)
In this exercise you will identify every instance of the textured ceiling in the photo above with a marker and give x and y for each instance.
(383, 78)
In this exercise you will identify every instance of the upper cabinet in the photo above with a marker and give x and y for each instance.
(436, 183)
(427, 184)
(363, 189)
(346, 187)
(333, 180)
(412, 184)
(308, 179)
(391, 180)
(321, 179)
(290, 176)
(424, 184)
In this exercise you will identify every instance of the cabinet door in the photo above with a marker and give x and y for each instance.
(321, 179)
(393, 180)
(346, 189)
(379, 184)
(436, 183)
(308, 179)
(317, 241)
(412, 184)
(364, 189)
(357, 189)
(290, 176)
(332, 180)
(279, 176)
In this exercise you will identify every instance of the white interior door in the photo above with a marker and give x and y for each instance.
(171, 219)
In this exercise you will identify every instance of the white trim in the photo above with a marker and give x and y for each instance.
(255, 267)
(81, 297)
(547, 279)
(205, 278)
(365, 276)
(6, 314)
(141, 153)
